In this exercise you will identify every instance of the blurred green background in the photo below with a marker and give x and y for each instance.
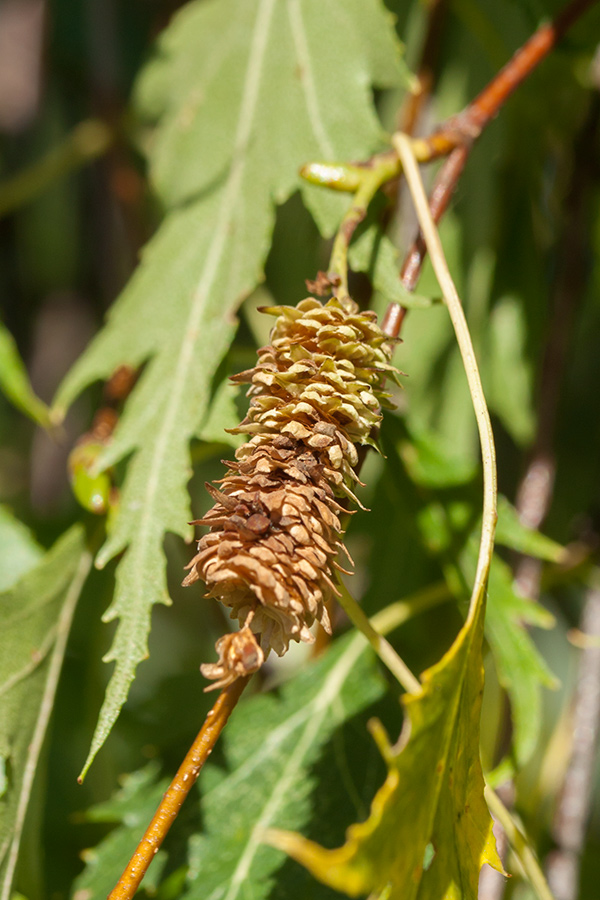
(522, 240)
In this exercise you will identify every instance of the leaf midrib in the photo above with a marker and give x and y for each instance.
(186, 358)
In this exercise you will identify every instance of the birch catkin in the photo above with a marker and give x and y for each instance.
(316, 392)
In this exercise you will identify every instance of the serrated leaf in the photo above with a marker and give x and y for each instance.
(14, 381)
(432, 797)
(271, 745)
(373, 252)
(133, 807)
(522, 671)
(310, 83)
(35, 619)
(245, 91)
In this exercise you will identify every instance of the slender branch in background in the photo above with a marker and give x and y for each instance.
(520, 845)
(178, 790)
(87, 141)
(535, 491)
(459, 133)
(572, 814)
(573, 810)
(401, 611)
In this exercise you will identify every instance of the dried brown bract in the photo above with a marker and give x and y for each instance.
(316, 392)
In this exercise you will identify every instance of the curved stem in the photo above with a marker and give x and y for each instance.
(178, 790)
(484, 425)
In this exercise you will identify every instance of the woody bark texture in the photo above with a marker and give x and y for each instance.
(316, 392)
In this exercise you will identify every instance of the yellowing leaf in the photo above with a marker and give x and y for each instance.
(432, 797)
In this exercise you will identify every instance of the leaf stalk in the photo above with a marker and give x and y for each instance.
(385, 169)
(380, 645)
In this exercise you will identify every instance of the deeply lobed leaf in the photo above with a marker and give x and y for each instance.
(35, 618)
(432, 797)
(271, 745)
(244, 91)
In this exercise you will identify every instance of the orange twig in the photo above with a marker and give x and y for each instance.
(468, 125)
(178, 790)
(456, 136)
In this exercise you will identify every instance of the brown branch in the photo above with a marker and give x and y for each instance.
(573, 811)
(469, 124)
(533, 502)
(439, 199)
(178, 790)
(455, 137)
(535, 491)
(442, 191)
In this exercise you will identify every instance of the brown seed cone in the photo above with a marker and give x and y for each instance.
(316, 391)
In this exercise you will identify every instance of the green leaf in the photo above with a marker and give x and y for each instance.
(19, 551)
(14, 381)
(522, 670)
(305, 84)
(133, 807)
(271, 745)
(510, 532)
(35, 618)
(510, 383)
(244, 91)
(431, 464)
(222, 414)
(432, 797)
(449, 531)
(373, 252)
